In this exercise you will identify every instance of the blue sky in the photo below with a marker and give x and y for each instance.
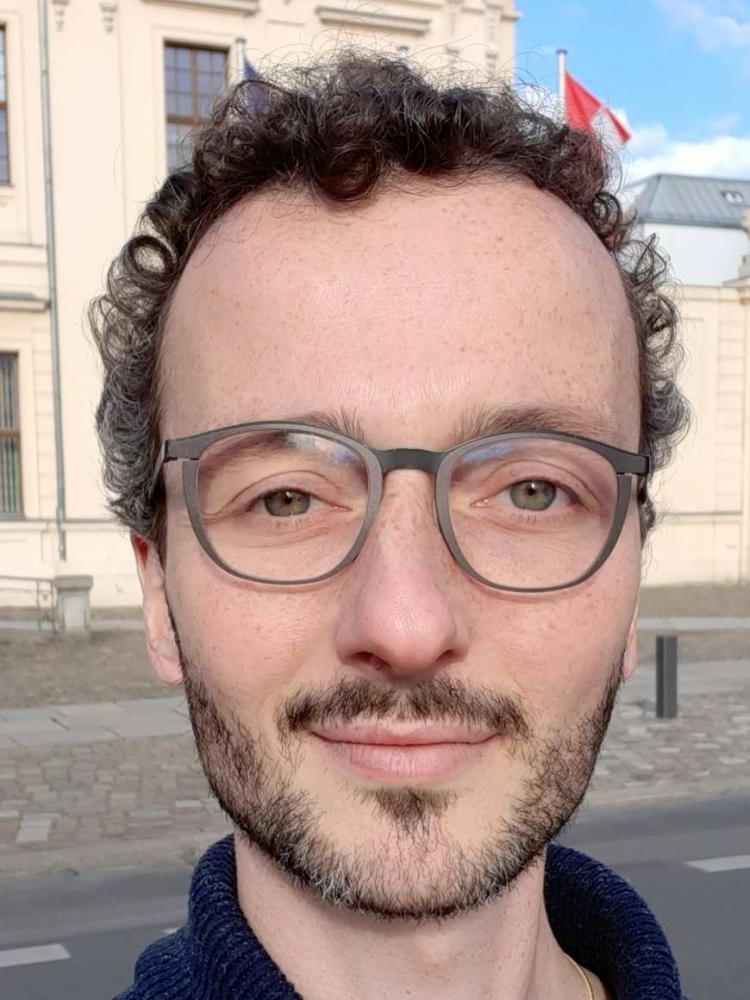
(679, 69)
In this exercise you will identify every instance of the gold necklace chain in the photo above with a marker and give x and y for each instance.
(583, 976)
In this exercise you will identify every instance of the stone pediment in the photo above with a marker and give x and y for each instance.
(224, 6)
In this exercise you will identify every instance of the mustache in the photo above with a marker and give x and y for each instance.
(441, 699)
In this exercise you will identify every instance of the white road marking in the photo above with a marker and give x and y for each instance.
(30, 956)
(732, 864)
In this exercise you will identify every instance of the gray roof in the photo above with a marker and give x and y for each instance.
(690, 201)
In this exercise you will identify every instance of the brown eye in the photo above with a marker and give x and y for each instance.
(285, 503)
(533, 494)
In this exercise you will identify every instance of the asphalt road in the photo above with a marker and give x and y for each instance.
(88, 928)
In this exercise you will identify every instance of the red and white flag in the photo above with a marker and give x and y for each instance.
(588, 113)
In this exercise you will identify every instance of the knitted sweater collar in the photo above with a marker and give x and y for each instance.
(595, 916)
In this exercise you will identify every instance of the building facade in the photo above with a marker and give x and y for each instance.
(128, 81)
(698, 222)
(703, 225)
(703, 497)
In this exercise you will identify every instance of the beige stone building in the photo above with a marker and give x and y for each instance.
(128, 79)
(703, 224)
(704, 495)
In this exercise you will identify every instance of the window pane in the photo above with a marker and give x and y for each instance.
(10, 477)
(8, 402)
(4, 166)
(178, 145)
(171, 103)
(203, 60)
(205, 105)
(10, 462)
(4, 172)
(204, 81)
(193, 80)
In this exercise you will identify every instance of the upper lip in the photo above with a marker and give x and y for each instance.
(414, 735)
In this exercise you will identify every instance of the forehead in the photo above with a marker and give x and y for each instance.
(412, 310)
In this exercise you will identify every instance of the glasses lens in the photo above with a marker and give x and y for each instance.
(282, 506)
(531, 513)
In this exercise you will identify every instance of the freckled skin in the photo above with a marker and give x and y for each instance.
(411, 309)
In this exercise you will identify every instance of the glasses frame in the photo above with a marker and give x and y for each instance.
(439, 464)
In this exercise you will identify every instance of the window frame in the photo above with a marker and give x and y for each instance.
(14, 433)
(193, 120)
(5, 181)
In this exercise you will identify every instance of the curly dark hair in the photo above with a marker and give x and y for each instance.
(342, 130)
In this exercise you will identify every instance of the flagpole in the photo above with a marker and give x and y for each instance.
(561, 54)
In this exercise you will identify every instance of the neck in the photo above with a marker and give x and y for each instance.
(503, 951)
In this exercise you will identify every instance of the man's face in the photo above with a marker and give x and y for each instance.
(413, 313)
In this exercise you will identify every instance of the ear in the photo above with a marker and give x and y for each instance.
(160, 639)
(630, 660)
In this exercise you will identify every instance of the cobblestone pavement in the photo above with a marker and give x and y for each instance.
(42, 669)
(109, 784)
(98, 768)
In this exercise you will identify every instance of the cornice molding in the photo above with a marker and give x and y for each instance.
(431, 4)
(109, 12)
(505, 13)
(343, 17)
(22, 302)
(219, 6)
(58, 7)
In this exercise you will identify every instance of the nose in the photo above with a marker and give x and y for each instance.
(401, 606)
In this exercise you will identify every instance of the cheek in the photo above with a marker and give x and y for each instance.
(249, 645)
(561, 648)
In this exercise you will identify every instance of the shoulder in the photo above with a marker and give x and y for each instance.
(161, 972)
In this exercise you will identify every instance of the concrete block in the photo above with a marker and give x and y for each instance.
(62, 737)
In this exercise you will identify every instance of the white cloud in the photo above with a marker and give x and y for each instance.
(717, 25)
(648, 141)
(726, 122)
(652, 150)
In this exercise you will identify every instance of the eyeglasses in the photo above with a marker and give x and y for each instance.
(290, 503)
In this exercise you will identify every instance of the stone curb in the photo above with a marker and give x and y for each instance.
(186, 847)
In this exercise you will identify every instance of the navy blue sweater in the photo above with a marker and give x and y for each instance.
(595, 916)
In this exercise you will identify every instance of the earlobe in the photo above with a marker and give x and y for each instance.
(161, 644)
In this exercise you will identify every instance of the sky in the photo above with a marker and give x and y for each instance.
(677, 70)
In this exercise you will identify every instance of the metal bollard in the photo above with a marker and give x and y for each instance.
(666, 676)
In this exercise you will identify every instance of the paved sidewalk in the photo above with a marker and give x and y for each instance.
(119, 782)
(97, 625)
(688, 624)
(683, 623)
(61, 725)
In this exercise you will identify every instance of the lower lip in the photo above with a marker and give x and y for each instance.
(398, 763)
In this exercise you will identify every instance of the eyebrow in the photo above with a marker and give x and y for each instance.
(484, 421)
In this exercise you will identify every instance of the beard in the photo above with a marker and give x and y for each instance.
(415, 871)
